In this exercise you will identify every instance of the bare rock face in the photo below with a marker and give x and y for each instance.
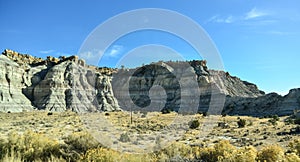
(270, 104)
(11, 85)
(53, 84)
(185, 85)
(67, 83)
(232, 86)
(72, 86)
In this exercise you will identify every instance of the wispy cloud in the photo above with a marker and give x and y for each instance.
(115, 50)
(91, 57)
(218, 19)
(255, 13)
(47, 51)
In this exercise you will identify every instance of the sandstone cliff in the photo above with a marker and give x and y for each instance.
(186, 86)
(67, 83)
(53, 84)
(270, 104)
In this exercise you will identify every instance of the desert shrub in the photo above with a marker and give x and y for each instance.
(124, 137)
(205, 114)
(2, 151)
(295, 130)
(50, 113)
(245, 154)
(177, 150)
(295, 146)
(224, 150)
(250, 123)
(223, 114)
(12, 156)
(271, 153)
(144, 115)
(241, 123)
(292, 157)
(107, 155)
(289, 121)
(274, 119)
(81, 142)
(100, 154)
(221, 151)
(31, 146)
(297, 121)
(166, 111)
(193, 124)
(223, 125)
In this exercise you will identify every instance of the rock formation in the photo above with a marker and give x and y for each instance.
(186, 92)
(67, 83)
(53, 84)
(270, 104)
(11, 83)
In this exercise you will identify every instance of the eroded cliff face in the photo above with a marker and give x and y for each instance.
(67, 83)
(11, 84)
(136, 89)
(270, 104)
(29, 83)
(185, 86)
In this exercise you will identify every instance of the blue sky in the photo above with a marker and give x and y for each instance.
(257, 40)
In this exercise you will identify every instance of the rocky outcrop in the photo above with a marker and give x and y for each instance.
(67, 83)
(181, 89)
(270, 104)
(242, 97)
(11, 83)
(53, 84)
(231, 85)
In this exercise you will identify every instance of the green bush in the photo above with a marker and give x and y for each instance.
(2, 151)
(297, 121)
(289, 121)
(295, 146)
(205, 114)
(166, 111)
(274, 119)
(124, 137)
(193, 124)
(241, 123)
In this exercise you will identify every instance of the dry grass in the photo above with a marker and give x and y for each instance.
(37, 136)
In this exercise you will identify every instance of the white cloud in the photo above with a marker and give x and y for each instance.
(64, 54)
(255, 13)
(218, 19)
(47, 51)
(115, 50)
(252, 14)
(91, 57)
